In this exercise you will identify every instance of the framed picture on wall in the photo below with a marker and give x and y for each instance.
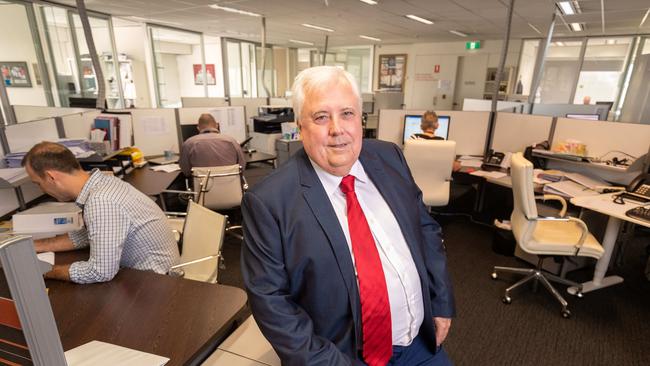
(198, 74)
(15, 74)
(392, 69)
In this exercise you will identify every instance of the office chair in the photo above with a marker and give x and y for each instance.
(223, 190)
(246, 346)
(431, 162)
(203, 232)
(544, 236)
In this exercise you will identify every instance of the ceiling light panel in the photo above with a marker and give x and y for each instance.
(301, 42)
(419, 19)
(566, 7)
(370, 38)
(317, 27)
(233, 10)
(369, 2)
(576, 27)
(458, 33)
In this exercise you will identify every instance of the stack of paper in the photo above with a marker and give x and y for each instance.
(486, 174)
(166, 168)
(98, 353)
(13, 160)
(569, 189)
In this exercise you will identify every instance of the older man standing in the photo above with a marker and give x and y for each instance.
(342, 263)
(209, 148)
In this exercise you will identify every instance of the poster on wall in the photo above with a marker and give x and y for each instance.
(391, 72)
(198, 74)
(15, 74)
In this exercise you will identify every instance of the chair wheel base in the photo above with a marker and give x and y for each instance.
(494, 276)
(506, 300)
(566, 314)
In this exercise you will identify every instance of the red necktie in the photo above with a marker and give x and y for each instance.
(375, 308)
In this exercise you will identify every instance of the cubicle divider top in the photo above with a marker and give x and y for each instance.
(468, 129)
(231, 119)
(154, 130)
(26, 113)
(250, 105)
(79, 125)
(605, 137)
(513, 132)
(561, 110)
(23, 136)
(483, 105)
(190, 102)
(280, 102)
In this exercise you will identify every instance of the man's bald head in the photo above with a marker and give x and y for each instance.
(206, 120)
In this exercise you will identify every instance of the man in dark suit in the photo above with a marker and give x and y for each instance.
(342, 262)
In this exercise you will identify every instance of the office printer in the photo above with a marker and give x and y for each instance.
(48, 219)
(270, 118)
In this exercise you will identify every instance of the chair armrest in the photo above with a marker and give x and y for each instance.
(171, 214)
(195, 261)
(583, 226)
(553, 197)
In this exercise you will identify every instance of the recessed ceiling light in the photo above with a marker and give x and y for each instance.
(418, 19)
(458, 33)
(559, 43)
(370, 38)
(233, 10)
(370, 2)
(301, 42)
(645, 17)
(576, 27)
(317, 27)
(534, 28)
(566, 7)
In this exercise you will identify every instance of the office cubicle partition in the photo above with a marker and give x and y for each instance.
(154, 130)
(26, 113)
(231, 119)
(251, 105)
(191, 102)
(485, 105)
(561, 110)
(513, 132)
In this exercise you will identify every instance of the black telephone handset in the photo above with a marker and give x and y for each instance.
(640, 186)
(494, 157)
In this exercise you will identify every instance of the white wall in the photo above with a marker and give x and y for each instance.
(213, 56)
(185, 76)
(171, 92)
(18, 46)
(490, 48)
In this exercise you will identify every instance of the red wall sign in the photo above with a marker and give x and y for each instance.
(436, 68)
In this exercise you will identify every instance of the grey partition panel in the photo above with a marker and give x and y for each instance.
(561, 110)
(27, 288)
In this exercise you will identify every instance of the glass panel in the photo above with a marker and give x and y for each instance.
(527, 66)
(602, 70)
(104, 48)
(214, 66)
(560, 69)
(234, 69)
(20, 67)
(129, 38)
(179, 65)
(62, 52)
(646, 46)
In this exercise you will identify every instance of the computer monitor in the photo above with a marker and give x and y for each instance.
(591, 117)
(188, 131)
(412, 126)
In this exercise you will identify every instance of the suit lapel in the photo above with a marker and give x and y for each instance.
(321, 207)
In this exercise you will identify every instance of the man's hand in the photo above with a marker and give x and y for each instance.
(59, 272)
(442, 329)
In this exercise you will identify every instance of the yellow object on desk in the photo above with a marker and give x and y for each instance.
(137, 157)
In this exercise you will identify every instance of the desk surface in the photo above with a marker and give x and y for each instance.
(150, 182)
(168, 316)
(604, 204)
(258, 157)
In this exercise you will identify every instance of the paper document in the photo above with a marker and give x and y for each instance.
(568, 188)
(486, 174)
(11, 174)
(169, 168)
(471, 163)
(586, 181)
(98, 353)
(47, 257)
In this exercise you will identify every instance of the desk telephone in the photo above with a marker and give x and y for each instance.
(638, 190)
(497, 159)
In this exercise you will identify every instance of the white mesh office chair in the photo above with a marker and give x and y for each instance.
(431, 162)
(223, 190)
(203, 233)
(544, 236)
(246, 346)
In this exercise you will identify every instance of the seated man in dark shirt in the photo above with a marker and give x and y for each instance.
(429, 125)
(209, 148)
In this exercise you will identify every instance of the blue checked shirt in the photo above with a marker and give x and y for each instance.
(124, 228)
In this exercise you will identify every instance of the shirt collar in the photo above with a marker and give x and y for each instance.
(210, 130)
(95, 174)
(331, 182)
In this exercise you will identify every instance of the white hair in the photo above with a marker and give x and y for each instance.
(317, 77)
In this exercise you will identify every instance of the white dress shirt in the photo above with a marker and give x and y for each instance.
(402, 279)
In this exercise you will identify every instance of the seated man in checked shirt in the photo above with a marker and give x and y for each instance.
(123, 227)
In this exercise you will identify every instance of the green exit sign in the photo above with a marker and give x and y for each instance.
(474, 45)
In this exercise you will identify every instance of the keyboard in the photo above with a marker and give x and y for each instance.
(640, 213)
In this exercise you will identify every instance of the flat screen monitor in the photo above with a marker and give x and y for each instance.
(412, 126)
(188, 131)
(591, 117)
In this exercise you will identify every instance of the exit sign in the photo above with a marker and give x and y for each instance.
(474, 45)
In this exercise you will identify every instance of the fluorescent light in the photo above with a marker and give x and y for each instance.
(576, 27)
(534, 28)
(301, 42)
(369, 2)
(370, 38)
(458, 33)
(566, 7)
(418, 19)
(559, 43)
(317, 27)
(233, 10)
(645, 17)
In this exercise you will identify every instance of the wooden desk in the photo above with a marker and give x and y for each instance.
(181, 319)
(259, 157)
(150, 182)
(604, 204)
